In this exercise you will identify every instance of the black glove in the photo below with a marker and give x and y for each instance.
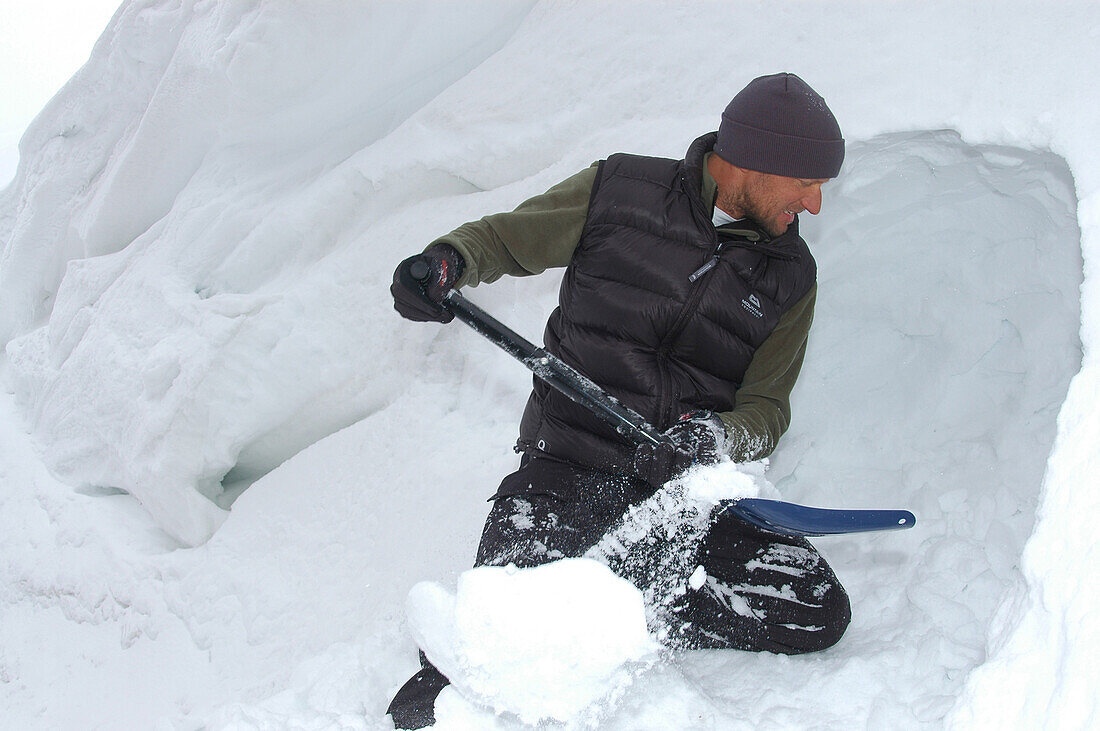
(418, 299)
(695, 440)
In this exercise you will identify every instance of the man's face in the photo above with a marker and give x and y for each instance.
(772, 200)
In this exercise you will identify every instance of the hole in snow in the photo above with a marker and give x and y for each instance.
(945, 337)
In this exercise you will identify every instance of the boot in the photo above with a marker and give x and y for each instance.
(414, 705)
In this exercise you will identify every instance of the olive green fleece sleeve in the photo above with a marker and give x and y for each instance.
(762, 408)
(543, 232)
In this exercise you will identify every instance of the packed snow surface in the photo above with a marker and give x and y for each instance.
(196, 254)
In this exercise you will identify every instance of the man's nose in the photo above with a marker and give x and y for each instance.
(812, 200)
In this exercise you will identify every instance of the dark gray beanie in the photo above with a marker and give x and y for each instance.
(779, 125)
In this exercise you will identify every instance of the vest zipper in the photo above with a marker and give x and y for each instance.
(708, 265)
(665, 400)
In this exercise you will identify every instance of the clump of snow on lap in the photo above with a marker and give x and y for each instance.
(708, 484)
(543, 643)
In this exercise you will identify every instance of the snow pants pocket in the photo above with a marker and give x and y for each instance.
(549, 509)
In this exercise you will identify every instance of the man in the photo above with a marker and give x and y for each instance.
(688, 295)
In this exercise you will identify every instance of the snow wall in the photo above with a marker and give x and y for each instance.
(199, 239)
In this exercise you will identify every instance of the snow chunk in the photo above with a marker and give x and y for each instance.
(726, 481)
(541, 643)
(697, 578)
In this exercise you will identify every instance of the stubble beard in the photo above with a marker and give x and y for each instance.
(748, 206)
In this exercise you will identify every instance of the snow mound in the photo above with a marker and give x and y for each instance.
(185, 275)
(544, 643)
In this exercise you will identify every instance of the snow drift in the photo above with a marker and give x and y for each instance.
(215, 277)
(193, 292)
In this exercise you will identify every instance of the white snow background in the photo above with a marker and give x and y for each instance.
(40, 46)
(197, 248)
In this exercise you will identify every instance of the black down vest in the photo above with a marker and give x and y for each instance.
(659, 307)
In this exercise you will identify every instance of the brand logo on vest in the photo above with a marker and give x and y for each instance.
(752, 304)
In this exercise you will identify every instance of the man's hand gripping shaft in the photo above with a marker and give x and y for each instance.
(695, 439)
(420, 283)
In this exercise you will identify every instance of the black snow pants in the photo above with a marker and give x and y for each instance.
(763, 591)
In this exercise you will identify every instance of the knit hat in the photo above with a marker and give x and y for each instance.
(779, 125)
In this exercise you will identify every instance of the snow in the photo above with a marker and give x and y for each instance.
(197, 248)
(40, 46)
(590, 642)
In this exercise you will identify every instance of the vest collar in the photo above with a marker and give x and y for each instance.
(699, 181)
